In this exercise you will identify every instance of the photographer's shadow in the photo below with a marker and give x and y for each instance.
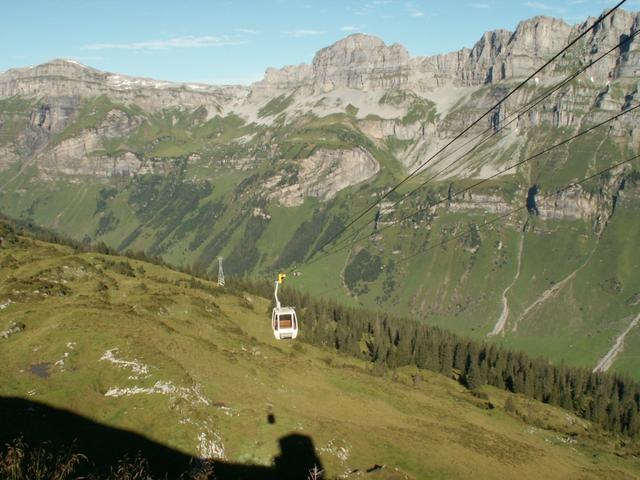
(38, 424)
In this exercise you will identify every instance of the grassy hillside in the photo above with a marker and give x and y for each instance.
(139, 347)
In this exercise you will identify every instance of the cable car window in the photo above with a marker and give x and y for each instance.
(285, 320)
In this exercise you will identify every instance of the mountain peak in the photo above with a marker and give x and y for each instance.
(360, 46)
(66, 61)
(359, 61)
(62, 66)
(359, 40)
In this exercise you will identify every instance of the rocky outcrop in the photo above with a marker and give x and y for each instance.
(324, 174)
(381, 128)
(365, 62)
(361, 62)
(83, 154)
(482, 203)
(575, 203)
(276, 81)
(67, 78)
(569, 205)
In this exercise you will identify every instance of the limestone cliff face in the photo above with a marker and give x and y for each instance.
(67, 78)
(365, 62)
(357, 71)
(324, 174)
(572, 204)
(361, 62)
(80, 154)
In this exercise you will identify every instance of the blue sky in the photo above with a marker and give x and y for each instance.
(223, 41)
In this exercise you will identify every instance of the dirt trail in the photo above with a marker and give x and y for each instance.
(551, 292)
(605, 362)
(78, 197)
(498, 328)
(342, 280)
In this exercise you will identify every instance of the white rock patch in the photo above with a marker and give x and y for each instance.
(192, 395)
(139, 369)
(210, 445)
(60, 363)
(6, 304)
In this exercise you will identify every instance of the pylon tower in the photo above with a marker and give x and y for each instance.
(220, 273)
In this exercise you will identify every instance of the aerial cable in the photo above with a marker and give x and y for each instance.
(525, 109)
(516, 114)
(517, 164)
(502, 216)
(474, 123)
(484, 180)
(523, 207)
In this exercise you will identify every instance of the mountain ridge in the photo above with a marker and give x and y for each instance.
(538, 36)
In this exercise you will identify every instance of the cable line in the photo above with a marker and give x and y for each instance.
(502, 216)
(524, 109)
(523, 207)
(484, 180)
(474, 123)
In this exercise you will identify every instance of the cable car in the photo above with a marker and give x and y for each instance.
(284, 321)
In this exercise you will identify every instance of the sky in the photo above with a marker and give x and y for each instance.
(229, 42)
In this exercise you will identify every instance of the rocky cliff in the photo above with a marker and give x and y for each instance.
(419, 103)
(69, 79)
(365, 62)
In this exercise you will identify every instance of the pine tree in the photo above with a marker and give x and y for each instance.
(509, 405)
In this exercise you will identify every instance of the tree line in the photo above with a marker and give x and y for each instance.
(611, 401)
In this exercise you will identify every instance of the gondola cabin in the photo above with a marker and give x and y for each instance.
(284, 323)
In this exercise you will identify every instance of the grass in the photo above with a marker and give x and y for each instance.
(15, 115)
(92, 113)
(418, 109)
(275, 106)
(180, 332)
(212, 343)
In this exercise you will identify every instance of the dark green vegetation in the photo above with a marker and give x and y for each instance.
(277, 105)
(391, 342)
(136, 351)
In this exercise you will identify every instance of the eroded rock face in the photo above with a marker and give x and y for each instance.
(81, 153)
(569, 205)
(481, 203)
(67, 78)
(325, 173)
(365, 62)
(361, 62)
(380, 129)
(356, 71)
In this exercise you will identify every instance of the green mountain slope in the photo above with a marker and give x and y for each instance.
(137, 346)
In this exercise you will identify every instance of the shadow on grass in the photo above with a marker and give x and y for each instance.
(105, 446)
